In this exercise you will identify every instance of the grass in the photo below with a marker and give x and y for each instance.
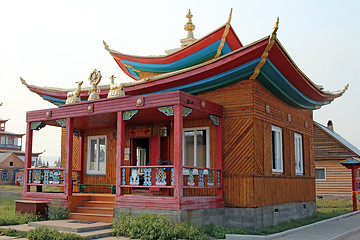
(325, 209)
(19, 189)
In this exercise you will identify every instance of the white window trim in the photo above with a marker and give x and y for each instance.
(281, 163)
(316, 179)
(95, 172)
(195, 142)
(298, 136)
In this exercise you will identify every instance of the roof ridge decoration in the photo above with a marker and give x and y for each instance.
(189, 27)
(226, 31)
(265, 54)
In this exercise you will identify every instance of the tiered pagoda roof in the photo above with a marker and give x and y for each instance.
(214, 61)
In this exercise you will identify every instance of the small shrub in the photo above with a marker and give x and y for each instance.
(188, 231)
(216, 231)
(146, 226)
(57, 211)
(151, 226)
(44, 233)
(18, 218)
(12, 233)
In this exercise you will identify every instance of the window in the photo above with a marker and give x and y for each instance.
(299, 162)
(320, 173)
(5, 175)
(10, 141)
(277, 154)
(11, 164)
(196, 147)
(96, 155)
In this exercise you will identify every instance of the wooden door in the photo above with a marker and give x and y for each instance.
(154, 150)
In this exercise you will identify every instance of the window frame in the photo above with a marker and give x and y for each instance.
(5, 175)
(320, 179)
(88, 170)
(207, 129)
(298, 136)
(280, 160)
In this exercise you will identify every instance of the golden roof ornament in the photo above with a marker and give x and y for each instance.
(94, 79)
(106, 46)
(189, 27)
(74, 96)
(116, 89)
(223, 38)
(265, 54)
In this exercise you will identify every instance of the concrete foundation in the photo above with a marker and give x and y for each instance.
(235, 217)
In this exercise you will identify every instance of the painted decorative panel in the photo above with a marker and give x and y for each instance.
(127, 115)
(147, 176)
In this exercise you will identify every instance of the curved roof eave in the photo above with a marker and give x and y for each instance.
(332, 94)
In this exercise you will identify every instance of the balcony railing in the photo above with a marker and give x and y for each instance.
(46, 176)
(10, 146)
(158, 176)
(162, 176)
(199, 177)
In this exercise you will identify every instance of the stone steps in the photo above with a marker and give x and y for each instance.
(91, 230)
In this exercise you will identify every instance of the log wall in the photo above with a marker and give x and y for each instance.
(247, 151)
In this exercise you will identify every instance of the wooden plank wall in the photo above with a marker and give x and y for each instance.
(248, 178)
(326, 147)
(338, 179)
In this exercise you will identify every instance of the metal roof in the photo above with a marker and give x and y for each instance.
(340, 139)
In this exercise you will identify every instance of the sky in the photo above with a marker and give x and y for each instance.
(56, 43)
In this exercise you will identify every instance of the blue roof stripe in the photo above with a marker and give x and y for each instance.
(56, 101)
(270, 77)
(133, 73)
(216, 80)
(284, 89)
(198, 57)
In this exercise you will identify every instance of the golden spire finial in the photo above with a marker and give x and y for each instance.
(276, 26)
(189, 26)
(106, 46)
(228, 22)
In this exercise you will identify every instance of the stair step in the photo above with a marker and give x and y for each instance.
(108, 218)
(82, 209)
(103, 204)
(106, 198)
(96, 234)
(69, 225)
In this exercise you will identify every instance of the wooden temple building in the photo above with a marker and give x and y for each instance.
(214, 131)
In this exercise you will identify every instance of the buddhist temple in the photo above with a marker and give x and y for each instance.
(212, 131)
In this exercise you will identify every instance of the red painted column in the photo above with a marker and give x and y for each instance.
(353, 183)
(68, 156)
(219, 155)
(178, 152)
(120, 148)
(28, 156)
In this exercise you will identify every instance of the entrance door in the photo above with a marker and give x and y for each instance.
(154, 150)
